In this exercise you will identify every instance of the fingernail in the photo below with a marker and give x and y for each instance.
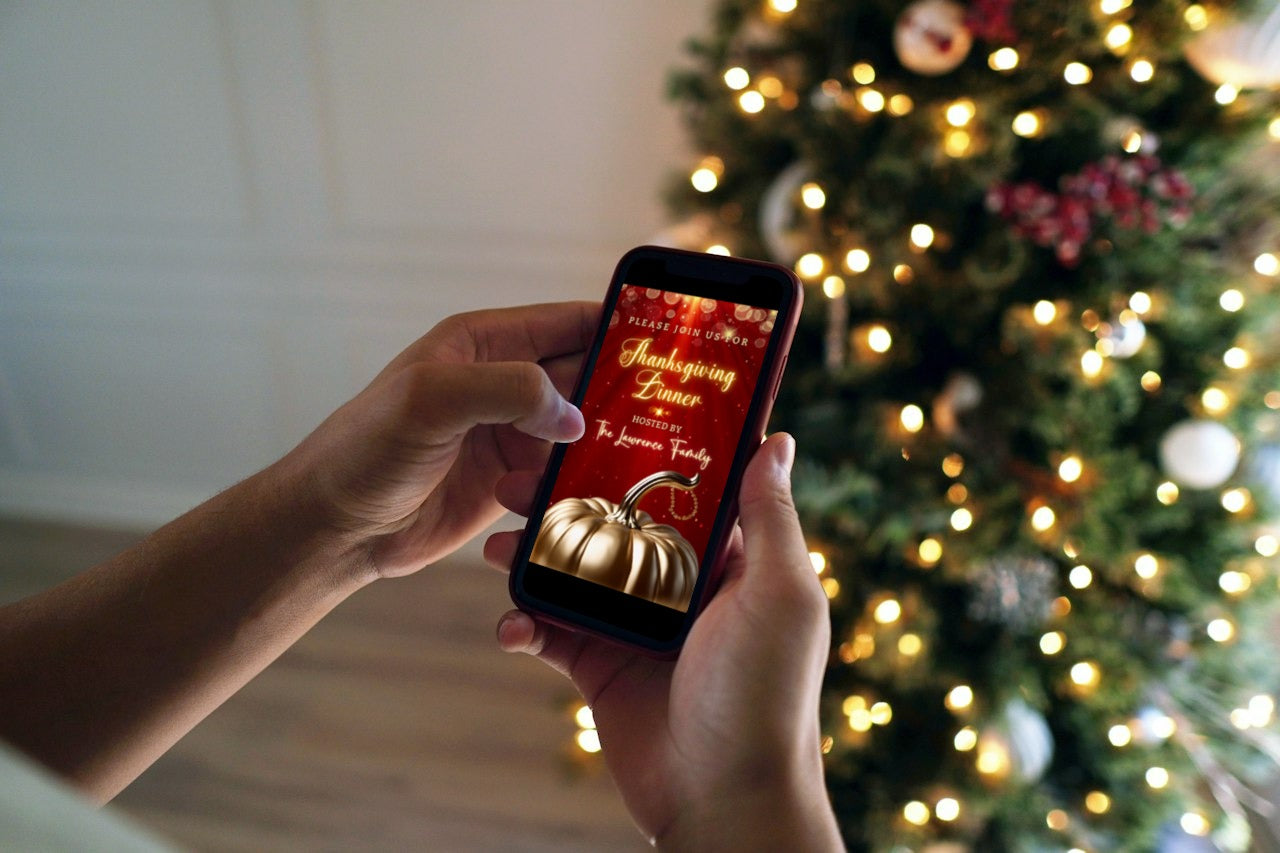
(571, 420)
(788, 451)
(504, 627)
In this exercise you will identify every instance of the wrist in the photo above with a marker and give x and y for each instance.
(792, 813)
(294, 529)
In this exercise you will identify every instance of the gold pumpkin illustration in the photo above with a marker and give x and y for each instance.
(619, 546)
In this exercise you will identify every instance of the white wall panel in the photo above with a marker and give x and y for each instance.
(218, 219)
(118, 116)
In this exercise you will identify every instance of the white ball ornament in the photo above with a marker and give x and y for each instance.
(1244, 52)
(1199, 454)
(931, 37)
(780, 222)
(1124, 338)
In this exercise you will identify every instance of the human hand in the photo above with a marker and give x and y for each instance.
(720, 748)
(404, 473)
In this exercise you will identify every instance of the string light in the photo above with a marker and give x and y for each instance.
(1231, 300)
(1194, 823)
(1097, 802)
(1274, 128)
(1157, 777)
(887, 612)
(819, 561)
(718, 249)
(1260, 710)
(961, 520)
(909, 645)
(1267, 264)
(737, 78)
(857, 260)
(1118, 37)
(1077, 73)
(930, 551)
(1053, 642)
(1167, 493)
(1112, 7)
(1267, 545)
(1080, 577)
(1142, 71)
(1215, 400)
(911, 417)
(1004, 59)
(833, 286)
(966, 739)
(1091, 364)
(957, 142)
(900, 105)
(947, 809)
(1220, 630)
(1070, 469)
(903, 274)
(1085, 674)
(1140, 301)
(706, 177)
(1146, 566)
(1120, 735)
(810, 265)
(953, 465)
(1044, 312)
(993, 758)
(960, 112)
(915, 813)
(1196, 17)
(1043, 518)
(871, 99)
(831, 587)
(1234, 583)
(770, 86)
(1150, 381)
(1226, 94)
(783, 7)
(751, 101)
(879, 339)
(959, 698)
(813, 196)
(1235, 500)
(1027, 124)
(862, 73)
(1237, 358)
(588, 739)
(957, 493)
(1056, 820)
(921, 236)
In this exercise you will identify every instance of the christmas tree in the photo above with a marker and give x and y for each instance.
(1034, 392)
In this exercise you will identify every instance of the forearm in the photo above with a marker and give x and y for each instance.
(100, 675)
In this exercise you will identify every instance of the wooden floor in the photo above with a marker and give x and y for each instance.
(395, 724)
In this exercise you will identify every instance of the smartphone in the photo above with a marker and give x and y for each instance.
(631, 522)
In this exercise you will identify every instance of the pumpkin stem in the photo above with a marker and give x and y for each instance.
(626, 511)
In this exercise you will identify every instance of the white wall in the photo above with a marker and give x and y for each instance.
(218, 219)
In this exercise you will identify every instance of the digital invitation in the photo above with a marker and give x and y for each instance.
(636, 496)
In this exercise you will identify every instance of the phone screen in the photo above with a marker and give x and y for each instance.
(635, 508)
(670, 393)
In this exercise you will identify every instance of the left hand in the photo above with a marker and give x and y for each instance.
(404, 473)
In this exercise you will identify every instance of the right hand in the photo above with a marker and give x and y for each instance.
(719, 749)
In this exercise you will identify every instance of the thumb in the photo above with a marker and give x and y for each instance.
(771, 533)
(449, 399)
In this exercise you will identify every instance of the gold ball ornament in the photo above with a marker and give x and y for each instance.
(621, 547)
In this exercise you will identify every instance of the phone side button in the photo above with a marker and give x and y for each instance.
(777, 383)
